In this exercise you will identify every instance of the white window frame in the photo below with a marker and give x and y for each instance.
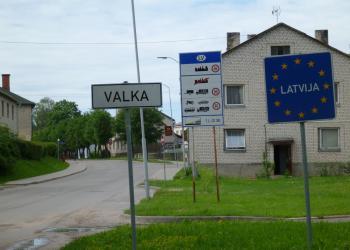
(320, 146)
(243, 94)
(237, 148)
(336, 94)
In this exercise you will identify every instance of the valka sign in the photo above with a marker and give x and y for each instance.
(126, 95)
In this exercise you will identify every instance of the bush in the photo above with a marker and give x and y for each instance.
(267, 168)
(36, 150)
(8, 149)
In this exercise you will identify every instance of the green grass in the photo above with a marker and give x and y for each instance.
(30, 168)
(283, 197)
(220, 235)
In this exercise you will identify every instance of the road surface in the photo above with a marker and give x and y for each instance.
(92, 199)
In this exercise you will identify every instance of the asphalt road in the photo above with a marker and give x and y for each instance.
(95, 198)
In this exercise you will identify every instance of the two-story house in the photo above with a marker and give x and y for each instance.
(15, 111)
(246, 134)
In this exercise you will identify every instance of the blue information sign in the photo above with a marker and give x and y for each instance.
(299, 87)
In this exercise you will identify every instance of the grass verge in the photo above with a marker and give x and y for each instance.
(283, 197)
(220, 235)
(30, 168)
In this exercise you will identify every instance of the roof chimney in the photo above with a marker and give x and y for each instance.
(233, 39)
(249, 36)
(322, 36)
(6, 81)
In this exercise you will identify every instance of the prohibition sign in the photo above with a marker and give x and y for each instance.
(216, 105)
(215, 68)
(215, 91)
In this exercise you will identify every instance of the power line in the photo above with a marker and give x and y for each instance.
(108, 43)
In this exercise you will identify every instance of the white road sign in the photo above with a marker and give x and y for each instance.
(126, 95)
(201, 89)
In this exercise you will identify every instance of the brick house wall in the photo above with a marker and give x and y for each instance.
(244, 66)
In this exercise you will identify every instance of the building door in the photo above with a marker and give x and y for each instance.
(283, 159)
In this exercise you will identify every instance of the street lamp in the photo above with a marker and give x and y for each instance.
(58, 149)
(182, 125)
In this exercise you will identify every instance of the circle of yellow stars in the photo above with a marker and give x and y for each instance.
(321, 73)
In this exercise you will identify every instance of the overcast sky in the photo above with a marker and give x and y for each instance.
(164, 28)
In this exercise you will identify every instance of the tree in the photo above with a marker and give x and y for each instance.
(102, 127)
(41, 113)
(63, 110)
(153, 121)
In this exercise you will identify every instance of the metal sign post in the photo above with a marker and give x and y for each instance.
(194, 173)
(306, 186)
(126, 95)
(216, 167)
(299, 88)
(131, 178)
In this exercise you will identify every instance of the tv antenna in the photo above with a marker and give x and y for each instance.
(276, 11)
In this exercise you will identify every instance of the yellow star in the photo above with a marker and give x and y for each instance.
(284, 66)
(323, 99)
(301, 115)
(311, 64)
(321, 72)
(297, 61)
(273, 91)
(314, 110)
(277, 103)
(287, 112)
(275, 77)
(326, 85)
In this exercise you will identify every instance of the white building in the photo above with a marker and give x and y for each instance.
(15, 111)
(246, 133)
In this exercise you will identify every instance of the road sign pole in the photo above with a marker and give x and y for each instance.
(193, 169)
(306, 186)
(131, 179)
(216, 167)
(164, 163)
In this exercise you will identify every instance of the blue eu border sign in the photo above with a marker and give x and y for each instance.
(299, 88)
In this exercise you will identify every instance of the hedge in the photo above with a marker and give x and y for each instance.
(12, 148)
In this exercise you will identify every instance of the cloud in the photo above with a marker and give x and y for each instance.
(68, 70)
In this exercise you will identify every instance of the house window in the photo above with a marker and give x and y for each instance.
(280, 50)
(234, 139)
(329, 139)
(8, 110)
(336, 92)
(234, 95)
(13, 112)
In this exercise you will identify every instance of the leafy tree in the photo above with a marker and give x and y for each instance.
(102, 126)
(41, 113)
(153, 121)
(63, 110)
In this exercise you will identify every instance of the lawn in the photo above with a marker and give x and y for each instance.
(30, 168)
(220, 235)
(282, 197)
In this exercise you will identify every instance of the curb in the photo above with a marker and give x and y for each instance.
(46, 180)
(167, 219)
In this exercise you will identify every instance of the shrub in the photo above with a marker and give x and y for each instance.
(267, 168)
(8, 149)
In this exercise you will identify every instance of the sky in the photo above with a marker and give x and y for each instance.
(58, 48)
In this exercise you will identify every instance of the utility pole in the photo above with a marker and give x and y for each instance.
(144, 143)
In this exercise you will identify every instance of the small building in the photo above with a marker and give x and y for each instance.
(246, 134)
(15, 111)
